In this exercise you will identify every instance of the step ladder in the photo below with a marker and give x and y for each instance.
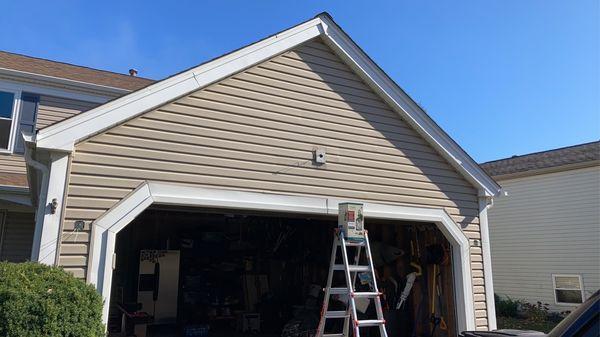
(350, 272)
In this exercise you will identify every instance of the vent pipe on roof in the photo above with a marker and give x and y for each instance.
(133, 72)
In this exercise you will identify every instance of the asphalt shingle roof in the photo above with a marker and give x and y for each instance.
(70, 71)
(543, 160)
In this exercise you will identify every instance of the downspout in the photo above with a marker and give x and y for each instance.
(485, 203)
(41, 207)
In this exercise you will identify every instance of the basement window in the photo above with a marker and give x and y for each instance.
(568, 289)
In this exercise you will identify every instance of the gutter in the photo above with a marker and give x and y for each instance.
(41, 207)
(63, 81)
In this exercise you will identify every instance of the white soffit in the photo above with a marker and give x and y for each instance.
(64, 135)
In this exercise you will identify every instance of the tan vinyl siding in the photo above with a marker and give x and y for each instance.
(54, 109)
(16, 236)
(12, 163)
(256, 131)
(548, 224)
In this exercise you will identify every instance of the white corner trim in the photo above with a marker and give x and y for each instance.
(115, 219)
(47, 246)
(487, 262)
(62, 136)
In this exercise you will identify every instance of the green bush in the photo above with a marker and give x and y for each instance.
(537, 312)
(507, 307)
(42, 301)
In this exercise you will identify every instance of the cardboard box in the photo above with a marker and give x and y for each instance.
(351, 221)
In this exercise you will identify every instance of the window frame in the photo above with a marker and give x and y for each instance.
(554, 288)
(16, 110)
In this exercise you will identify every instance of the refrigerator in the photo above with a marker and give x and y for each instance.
(158, 284)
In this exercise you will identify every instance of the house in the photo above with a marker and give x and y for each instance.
(545, 234)
(35, 93)
(198, 194)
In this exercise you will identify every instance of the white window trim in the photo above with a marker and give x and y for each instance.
(19, 88)
(554, 288)
(15, 117)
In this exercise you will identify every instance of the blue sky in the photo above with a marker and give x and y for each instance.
(501, 77)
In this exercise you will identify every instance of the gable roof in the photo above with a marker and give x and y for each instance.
(64, 135)
(533, 163)
(39, 66)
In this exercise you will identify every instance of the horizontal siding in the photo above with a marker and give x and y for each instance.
(256, 131)
(17, 236)
(548, 224)
(55, 109)
(11, 163)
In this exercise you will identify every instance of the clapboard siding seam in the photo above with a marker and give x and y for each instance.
(399, 171)
(282, 184)
(150, 122)
(229, 164)
(218, 120)
(276, 161)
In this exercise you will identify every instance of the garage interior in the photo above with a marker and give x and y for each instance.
(222, 272)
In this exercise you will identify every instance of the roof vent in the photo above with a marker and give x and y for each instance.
(133, 72)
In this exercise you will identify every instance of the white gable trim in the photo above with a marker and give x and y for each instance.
(64, 135)
(108, 225)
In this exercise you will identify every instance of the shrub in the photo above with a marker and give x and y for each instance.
(537, 312)
(38, 300)
(507, 307)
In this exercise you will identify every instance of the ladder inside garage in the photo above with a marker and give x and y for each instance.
(351, 270)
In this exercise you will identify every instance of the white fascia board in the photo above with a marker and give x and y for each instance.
(50, 91)
(62, 136)
(340, 42)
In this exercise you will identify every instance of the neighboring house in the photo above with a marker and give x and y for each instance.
(545, 234)
(238, 135)
(35, 93)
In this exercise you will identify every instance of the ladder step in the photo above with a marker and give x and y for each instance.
(371, 322)
(353, 243)
(344, 291)
(336, 314)
(352, 268)
(338, 291)
(366, 294)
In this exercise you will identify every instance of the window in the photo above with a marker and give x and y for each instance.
(7, 102)
(568, 289)
(18, 112)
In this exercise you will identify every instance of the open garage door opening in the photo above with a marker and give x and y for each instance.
(211, 272)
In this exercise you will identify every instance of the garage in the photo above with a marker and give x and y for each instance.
(220, 272)
(268, 141)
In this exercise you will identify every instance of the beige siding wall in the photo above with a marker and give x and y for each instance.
(11, 163)
(548, 224)
(16, 236)
(53, 109)
(256, 131)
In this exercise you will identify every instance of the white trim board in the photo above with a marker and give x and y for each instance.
(106, 227)
(64, 135)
